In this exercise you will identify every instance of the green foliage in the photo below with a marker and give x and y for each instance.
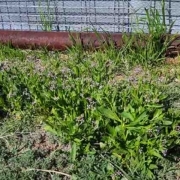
(136, 128)
(22, 151)
(46, 16)
(80, 102)
(8, 52)
(148, 45)
(120, 121)
(96, 167)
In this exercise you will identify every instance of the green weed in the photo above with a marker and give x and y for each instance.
(114, 119)
(46, 16)
(148, 45)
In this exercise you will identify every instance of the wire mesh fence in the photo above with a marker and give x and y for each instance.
(81, 15)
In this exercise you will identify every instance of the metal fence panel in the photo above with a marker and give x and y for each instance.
(80, 15)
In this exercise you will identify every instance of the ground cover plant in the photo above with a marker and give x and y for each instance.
(106, 120)
(109, 114)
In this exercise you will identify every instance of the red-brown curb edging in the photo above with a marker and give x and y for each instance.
(63, 40)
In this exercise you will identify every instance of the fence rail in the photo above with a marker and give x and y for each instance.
(81, 15)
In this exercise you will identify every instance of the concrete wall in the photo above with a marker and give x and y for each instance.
(80, 15)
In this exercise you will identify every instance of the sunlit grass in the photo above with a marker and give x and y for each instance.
(83, 114)
(31, 83)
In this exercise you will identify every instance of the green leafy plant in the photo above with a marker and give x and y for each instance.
(114, 122)
(148, 45)
(46, 16)
(136, 128)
